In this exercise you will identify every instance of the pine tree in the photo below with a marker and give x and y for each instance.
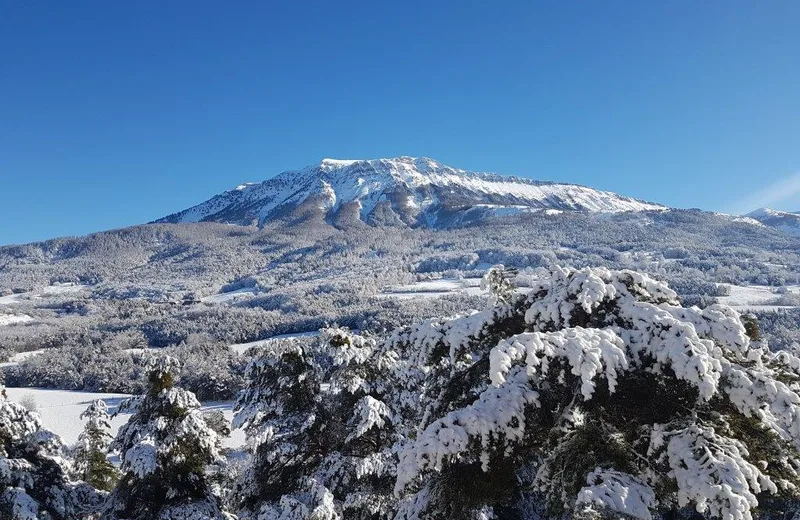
(598, 395)
(499, 282)
(34, 468)
(321, 434)
(276, 410)
(166, 448)
(91, 463)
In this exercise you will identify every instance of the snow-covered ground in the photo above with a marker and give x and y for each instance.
(18, 358)
(755, 297)
(11, 319)
(434, 288)
(231, 296)
(60, 411)
(12, 299)
(51, 291)
(241, 348)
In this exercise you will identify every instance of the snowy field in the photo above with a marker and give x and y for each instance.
(18, 358)
(47, 292)
(11, 319)
(755, 297)
(434, 288)
(60, 411)
(231, 296)
(241, 348)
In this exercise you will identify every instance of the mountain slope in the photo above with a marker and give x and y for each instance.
(403, 190)
(784, 221)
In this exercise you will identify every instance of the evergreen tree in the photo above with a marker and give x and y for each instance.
(593, 395)
(321, 434)
(276, 410)
(499, 282)
(91, 463)
(166, 447)
(34, 467)
(598, 395)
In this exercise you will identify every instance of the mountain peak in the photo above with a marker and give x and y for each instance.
(388, 164)
(332, 164)
(400, 190)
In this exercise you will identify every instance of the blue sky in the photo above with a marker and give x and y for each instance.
(116, 113)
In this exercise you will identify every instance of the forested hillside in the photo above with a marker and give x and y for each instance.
(195, 289)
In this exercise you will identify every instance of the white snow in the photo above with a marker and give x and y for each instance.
(12, 299)
(18, 358)
(50, 291)
(784, 221)
(230, 296)
(60, 411)
(590, 352)
(712, 472)
(434, 288)
(11, 319)
(755, 297)
(619, 492)
(497, 410)
(371, 412)
(241, 348)
(337, 163)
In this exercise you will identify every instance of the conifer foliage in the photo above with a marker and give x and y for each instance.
(320, 431)
(34, 469)
(91, 460)
(165, 447)
(607, 398)
(594, 394)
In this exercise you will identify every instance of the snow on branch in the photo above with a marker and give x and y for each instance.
(712, 471)
(497, 416)
(590, 352)
(618, 492)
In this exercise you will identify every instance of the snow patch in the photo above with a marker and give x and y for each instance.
(60, 411)
(241, 348)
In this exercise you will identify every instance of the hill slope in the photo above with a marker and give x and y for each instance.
(401, 191)
(785, 221)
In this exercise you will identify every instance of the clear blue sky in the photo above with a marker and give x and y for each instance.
(117, 113)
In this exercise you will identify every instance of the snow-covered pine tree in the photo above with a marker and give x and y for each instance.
(499, 283)
(166, 447)
(34, 482)
(322, 436)
(91, 460)
(595, 394)
(276, 410)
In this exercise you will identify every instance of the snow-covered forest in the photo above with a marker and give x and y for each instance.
(196, 289)
(506, 369)
(538, 406)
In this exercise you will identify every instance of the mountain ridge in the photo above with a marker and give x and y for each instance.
(401, 191)
(784, 221)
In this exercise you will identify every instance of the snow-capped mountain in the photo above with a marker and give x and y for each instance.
(403, 191)
(785, 221)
